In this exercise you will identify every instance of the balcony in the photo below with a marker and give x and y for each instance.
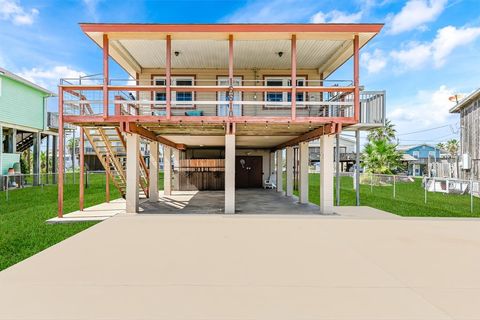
(215, 101)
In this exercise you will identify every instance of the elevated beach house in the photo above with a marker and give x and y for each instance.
(225, 99)
(24, 123)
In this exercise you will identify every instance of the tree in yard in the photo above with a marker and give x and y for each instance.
(380, 154)
(71, 144)
(387, 132)
(452, 147)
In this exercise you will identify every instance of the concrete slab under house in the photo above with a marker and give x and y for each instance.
(233, 107)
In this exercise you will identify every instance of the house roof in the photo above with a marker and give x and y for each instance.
(319, 46)
(408, 157)
(405, 148)
(15, 77)
(465, 101)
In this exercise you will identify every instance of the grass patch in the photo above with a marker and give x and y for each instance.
(409, 201)
(23, 231)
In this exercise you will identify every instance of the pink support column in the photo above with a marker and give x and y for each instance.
(107, 179)
(82, 166)
(230, 73)
(356, 77)
(60, 152)
(294, 77)
(168, 74)
(105, 75)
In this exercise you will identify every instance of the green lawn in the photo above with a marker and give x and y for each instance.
(409, 199)
(23, 231)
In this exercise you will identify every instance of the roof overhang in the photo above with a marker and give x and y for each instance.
(465, 101)
(326, 46)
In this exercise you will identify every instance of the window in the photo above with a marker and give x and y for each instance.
(283, 96)
(416, 154)
(176, 95)
(160, 96)
(432, 154)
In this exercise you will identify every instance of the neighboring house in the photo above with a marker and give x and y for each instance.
(227, 100)
(424, 154)
(24, 123)
(469, 110)
(347, 152)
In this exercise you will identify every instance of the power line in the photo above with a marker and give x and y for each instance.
(424, 130)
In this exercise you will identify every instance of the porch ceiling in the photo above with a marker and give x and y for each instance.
(319, 46)
(249, 136)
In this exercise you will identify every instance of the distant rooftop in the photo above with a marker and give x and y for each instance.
(15, 77)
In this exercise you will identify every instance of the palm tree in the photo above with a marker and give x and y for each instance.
(441, 146)
(452, 146)
(381, 156)
(387, 132)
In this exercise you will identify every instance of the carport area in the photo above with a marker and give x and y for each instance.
(153, 266)
(247, 201)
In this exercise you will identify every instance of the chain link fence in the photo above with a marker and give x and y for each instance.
(443, 196)
(17, 182)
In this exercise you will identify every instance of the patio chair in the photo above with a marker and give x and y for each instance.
(271, 182)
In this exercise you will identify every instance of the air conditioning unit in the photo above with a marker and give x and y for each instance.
(466, 161)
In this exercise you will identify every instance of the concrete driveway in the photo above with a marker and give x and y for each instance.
(253, 267)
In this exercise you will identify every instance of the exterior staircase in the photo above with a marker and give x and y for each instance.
(26, 142)
(110, 148)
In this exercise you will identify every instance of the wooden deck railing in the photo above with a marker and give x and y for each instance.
(210, 103)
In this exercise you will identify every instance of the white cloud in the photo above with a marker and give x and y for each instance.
(426, 109)
(11, 10)
(50, 78)
(417, 55)
(449, 38)
(273, 11)
(336, 16)
(415, 14)
(374, 62)
(91, 6)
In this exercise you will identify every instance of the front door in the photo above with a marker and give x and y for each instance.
(222, 110)
(248, 171)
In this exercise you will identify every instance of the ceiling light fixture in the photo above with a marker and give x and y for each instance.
(280, 53)
(176, 53)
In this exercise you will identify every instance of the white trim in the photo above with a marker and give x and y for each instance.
(286, 82)
(173, 83)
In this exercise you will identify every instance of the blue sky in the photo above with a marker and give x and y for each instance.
(427, 51)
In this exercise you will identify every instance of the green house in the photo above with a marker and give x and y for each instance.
(24, 123)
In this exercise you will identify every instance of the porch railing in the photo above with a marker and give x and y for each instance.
(249, 98)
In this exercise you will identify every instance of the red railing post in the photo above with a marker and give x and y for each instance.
(230, 75)
(356, 78)
(107, 178)
(293, 81)
(105, 75)
(60, 152)
(82, 165)
(168, 73)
